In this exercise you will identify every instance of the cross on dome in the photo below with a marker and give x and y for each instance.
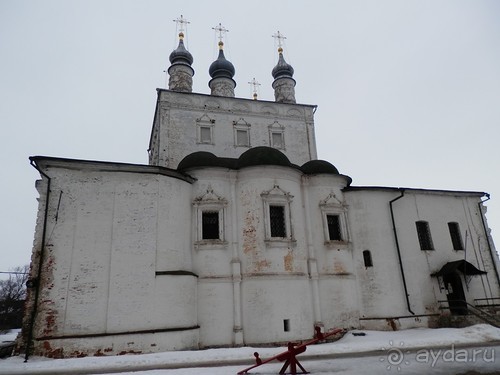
(255, 86)
(221, 30)
(181, 21)
(279, 37)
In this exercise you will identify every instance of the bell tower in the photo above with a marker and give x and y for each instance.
(180, 71)
(221, 70)
(283, 84)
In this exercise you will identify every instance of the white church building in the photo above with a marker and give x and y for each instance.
(235, 234)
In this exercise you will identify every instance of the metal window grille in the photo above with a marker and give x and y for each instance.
(210, 225)
(424, 235)
(334, 232)
(277, 221)
(456, 237)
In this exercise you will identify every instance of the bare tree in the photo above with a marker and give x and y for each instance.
(12, 296)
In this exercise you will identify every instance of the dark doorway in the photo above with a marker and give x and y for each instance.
(456, 295)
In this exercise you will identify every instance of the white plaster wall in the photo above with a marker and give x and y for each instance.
(118, 239)
(275, 284)
(173, 303)
(380, 288)
(132, 254)
(267, 301)
(173, 229)
(339, 305)
(438, 210)
(335, 260)
(101, 256)
(257, 254)
(215, 312)
(279, 268)
(177, 135)
(212, 262)
(261, 261)
(118, 344)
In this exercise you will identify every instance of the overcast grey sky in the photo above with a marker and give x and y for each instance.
(408, 92)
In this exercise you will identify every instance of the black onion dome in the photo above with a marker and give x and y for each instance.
(206, 159)
(198, 159)
(318, 166)
(181, 55)
(282, 69)
(221, 68)
(263, 156)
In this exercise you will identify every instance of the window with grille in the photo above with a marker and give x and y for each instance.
(334, 231)
(209, 218)
(210, 225)
(278, 228)
(367, 258)
(456, 237)
(277, 221)
(424, 235)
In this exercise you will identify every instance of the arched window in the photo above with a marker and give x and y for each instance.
(367, 257)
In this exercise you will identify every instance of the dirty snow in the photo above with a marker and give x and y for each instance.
(421, 351)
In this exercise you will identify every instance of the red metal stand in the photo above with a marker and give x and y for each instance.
(290, 356)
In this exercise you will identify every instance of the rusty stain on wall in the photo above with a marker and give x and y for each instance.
(46, 306)
(288, 261)
(262, 264)
(48, 351)
(50, 320)
(338, 267)
(249, 233)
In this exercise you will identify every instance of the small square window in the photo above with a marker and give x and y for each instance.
(242, 138)
(286, 325)
(210, 225)
(205, 134)
(277, 140)
(334, 231)
(277, 221)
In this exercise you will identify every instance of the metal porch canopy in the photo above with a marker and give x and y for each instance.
(459, 265)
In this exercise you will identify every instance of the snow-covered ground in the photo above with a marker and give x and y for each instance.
(415, 351)
(9, 336)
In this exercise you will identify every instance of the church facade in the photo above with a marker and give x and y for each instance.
(235, 234)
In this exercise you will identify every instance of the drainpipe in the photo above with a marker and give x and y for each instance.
(488, 237)
(399, 250)
(36, 280)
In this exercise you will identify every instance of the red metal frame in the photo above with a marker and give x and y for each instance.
(290, 356)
